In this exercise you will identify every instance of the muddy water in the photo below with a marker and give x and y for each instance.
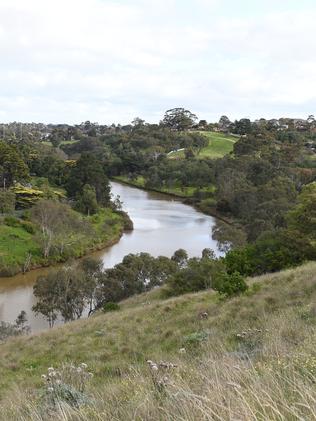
(161, 226)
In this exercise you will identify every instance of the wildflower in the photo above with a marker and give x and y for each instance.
(90, 375)
(182, 351)
(83, 365)
(52, 374)
(44, 377)
(58, 382)
(50, 369)
(79, 369)
(50, 389)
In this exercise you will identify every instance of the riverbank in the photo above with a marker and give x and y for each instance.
(20, 250)
(186, 196)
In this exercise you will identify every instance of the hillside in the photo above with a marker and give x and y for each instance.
(219, 145)
(250, 357)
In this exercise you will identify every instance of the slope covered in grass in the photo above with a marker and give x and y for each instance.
(220, 144)
(252, 357)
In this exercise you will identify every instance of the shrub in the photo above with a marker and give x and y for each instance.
(195, 338)
(110, 307)
(12, 221)
(230, 284)
(66, 385)
(28, 227)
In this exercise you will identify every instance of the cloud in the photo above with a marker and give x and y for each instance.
(71, 60)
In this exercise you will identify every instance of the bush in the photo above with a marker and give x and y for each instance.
(28, 227)
(110, 307)
(12, 221)
(230, 284)
(195, 338)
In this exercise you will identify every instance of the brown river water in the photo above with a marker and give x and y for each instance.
(161, 226)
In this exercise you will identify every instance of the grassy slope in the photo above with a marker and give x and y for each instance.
(220, 144)
(16, 243)
(275, 378)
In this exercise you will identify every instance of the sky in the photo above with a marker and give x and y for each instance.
(67, 61)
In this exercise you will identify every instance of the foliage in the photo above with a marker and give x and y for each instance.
(12, 166)
(230, 284)
(7, 201)
(110, 307)
(65, 386)
(89, 171)
(18, 328)
(87, 201)
(179, 119)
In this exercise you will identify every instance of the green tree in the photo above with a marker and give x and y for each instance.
(7, 201)
(89, 171)
(179, 119)
(303, 217)
(12, 166)
(87, 201)
(230, 284)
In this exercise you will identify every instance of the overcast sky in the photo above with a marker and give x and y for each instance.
(110, 61)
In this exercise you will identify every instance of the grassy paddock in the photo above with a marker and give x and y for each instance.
(253, 358)
(220, 144)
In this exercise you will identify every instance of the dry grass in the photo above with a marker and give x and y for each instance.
(253, 358)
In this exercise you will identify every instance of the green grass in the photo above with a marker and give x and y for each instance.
(269, 373)
(16, 243)
(219, 145)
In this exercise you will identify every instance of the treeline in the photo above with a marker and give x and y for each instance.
(255, 187)
(53, 209)
(81, 289)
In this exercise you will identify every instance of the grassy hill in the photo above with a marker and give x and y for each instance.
(249, 358)
(220, 144)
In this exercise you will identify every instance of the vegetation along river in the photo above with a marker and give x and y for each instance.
(161, 226)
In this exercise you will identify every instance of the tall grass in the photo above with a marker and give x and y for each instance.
(256, 358)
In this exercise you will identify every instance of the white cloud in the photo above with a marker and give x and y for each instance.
(70, 60)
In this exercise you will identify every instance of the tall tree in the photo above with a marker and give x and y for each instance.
(179, 119)
(89, 171)
(12, 166)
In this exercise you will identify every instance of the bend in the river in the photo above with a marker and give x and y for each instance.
(161, 226)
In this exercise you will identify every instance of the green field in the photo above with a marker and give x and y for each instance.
(219, 145)
(252, 358)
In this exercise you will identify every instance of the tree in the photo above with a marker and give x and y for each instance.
(12, 166)
(7, 201)
(46, 290)
(21, 323)
(179, 119)
(63, 293)
(89, 171)
(87, 200)
(224, 123)
(303, 217)
(92, 271)
(180, 257)
(230, 284)
(56, 221)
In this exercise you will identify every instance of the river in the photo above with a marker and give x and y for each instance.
(161, 226)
